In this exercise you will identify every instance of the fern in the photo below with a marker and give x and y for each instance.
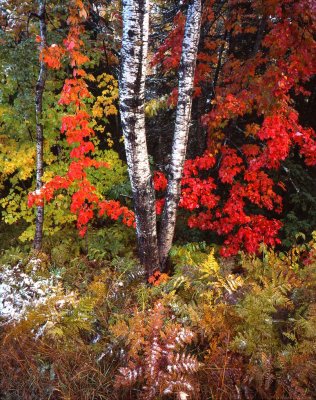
(155, 359)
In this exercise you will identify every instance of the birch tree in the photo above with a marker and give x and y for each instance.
(39, 90)
(132, 98)
(182, 125)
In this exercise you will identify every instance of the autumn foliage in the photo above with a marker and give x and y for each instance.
(76, 127)
(231, 189)
(238, 194)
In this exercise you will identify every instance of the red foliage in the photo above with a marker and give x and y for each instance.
(160, 181)
(228, 218)
(259, 85)
(157, 278)
(77, 131)
(167, 58)
(231, 165)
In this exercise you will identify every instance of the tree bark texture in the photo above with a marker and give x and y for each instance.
(182, 125)
(132, 98)
(39, 90)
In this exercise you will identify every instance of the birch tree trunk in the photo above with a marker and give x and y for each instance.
(39, 89)
(182, 125)
(132, 98)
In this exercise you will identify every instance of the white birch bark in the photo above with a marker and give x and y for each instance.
(39, 90)
(182, 125)
(132, 98)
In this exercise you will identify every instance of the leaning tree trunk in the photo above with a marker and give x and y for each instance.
(132, 99)
(39, 90)
(182, 125)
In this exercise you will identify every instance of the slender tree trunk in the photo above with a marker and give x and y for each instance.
(259, 37)
(183, 116)
(219, 62)
(40, 85)
(132, 98)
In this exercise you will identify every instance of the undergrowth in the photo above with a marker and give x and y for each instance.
(214, 329)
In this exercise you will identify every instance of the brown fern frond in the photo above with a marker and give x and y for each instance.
(129, 375)
(160, 365)
(183, 363)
